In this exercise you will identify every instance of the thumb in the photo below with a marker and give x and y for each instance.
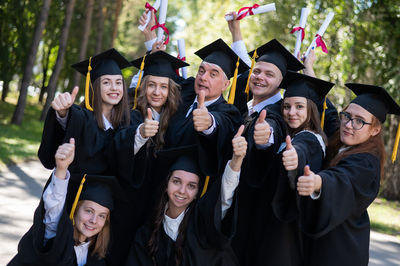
(307, 170)
(261, 117)
(72, 141)
(240, 131)
(74, 93)
(200, 99)
(288, 143)
(149, 114)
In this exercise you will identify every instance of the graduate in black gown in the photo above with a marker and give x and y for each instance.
(70, 227)
(187, 229)
(338, 220)
(92, 124)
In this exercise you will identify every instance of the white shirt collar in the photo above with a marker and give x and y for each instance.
(81, 252)
(258, 107)
(107, 124)
(171, 226)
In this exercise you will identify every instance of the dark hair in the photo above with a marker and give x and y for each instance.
(157, 223)
(169, 108)
(312, 123)
(120, 115)
(374, 145)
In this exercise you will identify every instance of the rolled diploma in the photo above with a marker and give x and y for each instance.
(321, 31)
(182, 53)
(303, 19)
(161, 19)
(258, 10)
(156, 6)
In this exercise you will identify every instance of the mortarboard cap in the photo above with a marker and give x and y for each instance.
(219, 53)
(275, 53)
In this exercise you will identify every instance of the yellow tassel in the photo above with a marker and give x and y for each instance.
(231, 99)
(138, 84)
(205, 186)
(396, 144)
(87, 104)
(323, 114)
(253, 61)
(78, 194)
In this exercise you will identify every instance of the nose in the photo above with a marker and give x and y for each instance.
(156, 90)
(292, 111)
(93, 219)
(348, 124)
(182, 189)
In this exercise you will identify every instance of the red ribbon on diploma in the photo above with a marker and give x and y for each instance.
(183, 59)
(162, 26)
(321, 43)
(151, 8)
(297, 29)
(249, 11)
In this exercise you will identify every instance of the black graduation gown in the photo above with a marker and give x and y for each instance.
(206, 242)
(338, 222)
(58, 250)
(90, 141)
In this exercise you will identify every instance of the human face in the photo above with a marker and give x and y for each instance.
(211, 79)
(157, 91)
(350, 136)
(295, 111)
(264, 81)
(90, 219)
(182, 190)
(112, 90)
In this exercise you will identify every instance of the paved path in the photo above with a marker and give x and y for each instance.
(21, 186)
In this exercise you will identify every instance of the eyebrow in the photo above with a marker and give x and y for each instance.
(356, 116)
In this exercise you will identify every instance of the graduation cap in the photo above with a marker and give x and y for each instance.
(100, 189)
(158, 64)
(296, 84)
(219, 53)
(378, 102)
(109, 62)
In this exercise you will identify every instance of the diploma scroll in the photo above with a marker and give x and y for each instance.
(258, 10)
(161, 19)
(321, 31)
(155, 6)
(300, 33)
(182, 55)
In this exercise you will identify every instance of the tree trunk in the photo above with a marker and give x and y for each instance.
(51, 88)
(46, 62)
(100, 26)
(115, 29)
(18, 115)
(85, 39)
(6, 89)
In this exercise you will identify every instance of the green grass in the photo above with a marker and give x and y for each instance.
(385, 216)
(19, 143)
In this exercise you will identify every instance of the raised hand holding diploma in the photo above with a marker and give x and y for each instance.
(262, 130)
(150, 127)
(182, 55)
(309, 182)
(251, 10)
(161, 22)
(64, 157)
(289, 156)
(300, 31)
(318, 37)
(239, 147)
(64, 101)
(149, 7)
(201, 118)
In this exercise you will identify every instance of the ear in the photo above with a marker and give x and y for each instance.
(226, 84)
(375, 130)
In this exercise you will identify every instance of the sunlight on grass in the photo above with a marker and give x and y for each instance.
(385, 216)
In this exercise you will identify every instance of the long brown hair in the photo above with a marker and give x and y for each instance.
(312, 123)
(157, 223)
(169, 108)
(120, 115)
(374, 145)
(99, 242)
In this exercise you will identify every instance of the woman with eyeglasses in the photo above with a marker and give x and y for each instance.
(338, 221)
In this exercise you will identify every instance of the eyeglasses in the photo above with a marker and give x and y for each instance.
(356, 123)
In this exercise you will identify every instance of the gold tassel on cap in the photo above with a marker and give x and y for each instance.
(78, 194)
(253, 61)
(396, 144)
(87, 84)
(138, 84)
(323, 114)
(232, 92)
(205, 186)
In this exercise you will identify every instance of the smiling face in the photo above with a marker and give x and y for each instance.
(111, 90)
(182, 189)
(157, 91)
(90, 219)
(350, 136)
(212, 80)
(295, 111)
(264, 81)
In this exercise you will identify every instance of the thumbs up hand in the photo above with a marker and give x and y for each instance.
(64, 157)
(201, 118)
(64, 101)
(262, 130)
(239, 146)
(150, 127)
(289, 156)
(308, 183)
